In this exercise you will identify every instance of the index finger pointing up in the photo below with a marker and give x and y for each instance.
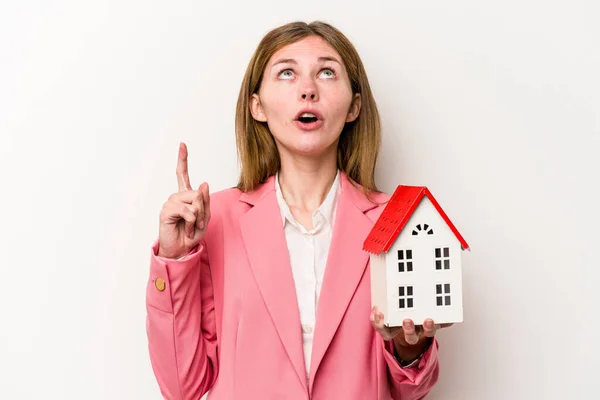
(183, 179)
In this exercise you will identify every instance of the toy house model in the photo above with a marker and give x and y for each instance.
(415, 253)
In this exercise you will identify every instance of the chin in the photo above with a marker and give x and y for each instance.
(305, 143)
(310, 148)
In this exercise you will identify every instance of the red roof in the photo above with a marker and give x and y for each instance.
(396, 214)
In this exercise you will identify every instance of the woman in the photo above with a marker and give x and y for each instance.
(262, 291)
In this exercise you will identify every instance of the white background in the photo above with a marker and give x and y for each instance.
(495, 106)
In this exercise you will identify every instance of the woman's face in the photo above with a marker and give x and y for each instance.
(305, 97)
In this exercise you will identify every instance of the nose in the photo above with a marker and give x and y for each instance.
(308, 91)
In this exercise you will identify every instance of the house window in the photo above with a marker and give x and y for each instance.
(442, 294)
(442, 258)
(405, 263)
(406, 297)
(422, 228)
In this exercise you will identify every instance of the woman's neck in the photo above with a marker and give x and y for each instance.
(305, 183)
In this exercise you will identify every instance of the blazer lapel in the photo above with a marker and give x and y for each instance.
(266, 246)
(345, 266)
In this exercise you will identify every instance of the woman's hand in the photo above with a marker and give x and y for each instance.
(185, 215)
(410, 340)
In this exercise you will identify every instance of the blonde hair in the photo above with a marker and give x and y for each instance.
(360, 140)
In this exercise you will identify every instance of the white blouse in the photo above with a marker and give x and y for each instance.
(308, 252)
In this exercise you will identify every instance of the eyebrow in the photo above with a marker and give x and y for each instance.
(292, 61)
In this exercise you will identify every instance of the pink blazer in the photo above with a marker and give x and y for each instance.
(227, 319)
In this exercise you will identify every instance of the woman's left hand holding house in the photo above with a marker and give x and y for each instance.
(410, 340)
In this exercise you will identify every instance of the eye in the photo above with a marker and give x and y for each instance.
(286, 74)
(328, 73)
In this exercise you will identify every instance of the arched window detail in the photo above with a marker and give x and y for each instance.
(422, 229)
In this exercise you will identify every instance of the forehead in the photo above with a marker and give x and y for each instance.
(307, 49)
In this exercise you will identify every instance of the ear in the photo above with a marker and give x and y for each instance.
(354, 108)
(256, 108)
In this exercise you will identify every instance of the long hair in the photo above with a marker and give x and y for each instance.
(360, 139)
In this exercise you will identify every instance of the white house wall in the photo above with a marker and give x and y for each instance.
(424, 276)
(378, 283)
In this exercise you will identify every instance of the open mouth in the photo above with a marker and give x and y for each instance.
(308, 120)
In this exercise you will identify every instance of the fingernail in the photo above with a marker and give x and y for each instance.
(372, 316)
(407, 324)
(429, 324)
(201, 224)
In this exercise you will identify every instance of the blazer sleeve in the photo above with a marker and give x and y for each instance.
(180, 324)
(412, 383)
